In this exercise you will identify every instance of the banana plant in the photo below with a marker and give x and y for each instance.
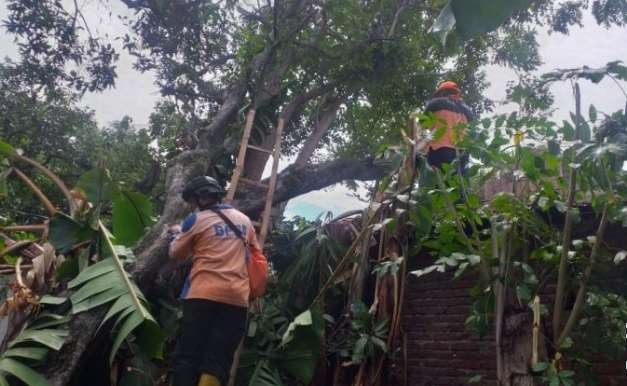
(107, 282)
(31, 347)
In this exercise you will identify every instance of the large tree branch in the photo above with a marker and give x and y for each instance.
(294, 181)
(321, 127)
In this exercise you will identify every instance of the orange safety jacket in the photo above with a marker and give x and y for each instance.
(452, 114)
(219, 269)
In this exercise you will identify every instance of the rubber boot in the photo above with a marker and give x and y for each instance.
(208, 380)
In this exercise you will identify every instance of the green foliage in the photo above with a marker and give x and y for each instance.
(65, 232)
(536, 157)
(277, 346)
(132, 214)
(473, 17)
(612, 69)
(368, 336)
(30, 348)
(52, 52)
(106, 282)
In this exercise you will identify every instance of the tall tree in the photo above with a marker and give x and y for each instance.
(352, 69)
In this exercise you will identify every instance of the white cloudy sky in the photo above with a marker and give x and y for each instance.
(135, 93)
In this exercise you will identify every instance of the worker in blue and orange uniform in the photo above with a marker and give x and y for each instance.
(452, 116)
(216, 296)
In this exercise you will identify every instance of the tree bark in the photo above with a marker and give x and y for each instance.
(517, 343)
(321, 127)
(294, 181)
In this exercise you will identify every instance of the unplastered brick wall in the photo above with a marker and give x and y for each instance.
(440, 349)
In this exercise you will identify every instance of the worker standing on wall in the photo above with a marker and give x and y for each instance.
(216, 296)
(451, 120)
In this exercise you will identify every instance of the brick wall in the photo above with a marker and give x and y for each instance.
(442, 352)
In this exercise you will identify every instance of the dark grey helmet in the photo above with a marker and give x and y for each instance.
(202, 186)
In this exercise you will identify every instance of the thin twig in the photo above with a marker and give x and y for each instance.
(345, 259)
(568, 230)
(57, 181)
(14, 247)
(618, 84)
(24, 228)
(581, 293)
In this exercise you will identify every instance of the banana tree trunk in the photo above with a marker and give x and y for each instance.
(517, 349)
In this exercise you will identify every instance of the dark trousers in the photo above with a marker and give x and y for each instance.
(446, 155)
(209, 335)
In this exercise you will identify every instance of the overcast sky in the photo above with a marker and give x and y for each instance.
(135, 93)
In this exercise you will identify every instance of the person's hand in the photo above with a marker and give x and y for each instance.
(174, 229)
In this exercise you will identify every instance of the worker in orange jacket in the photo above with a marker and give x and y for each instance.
(452, 117)
(216, 294)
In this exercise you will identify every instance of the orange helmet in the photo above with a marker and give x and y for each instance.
(450, 86)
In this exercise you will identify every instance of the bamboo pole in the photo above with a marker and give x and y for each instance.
(241, 157)
(276, 155)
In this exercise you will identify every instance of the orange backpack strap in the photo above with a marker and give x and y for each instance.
(230, 224)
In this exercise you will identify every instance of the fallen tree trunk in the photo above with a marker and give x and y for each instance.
(152, 250)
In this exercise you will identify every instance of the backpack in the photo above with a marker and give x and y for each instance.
(256, 262)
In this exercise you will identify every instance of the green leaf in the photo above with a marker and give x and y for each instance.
(150, 339)
(304, 319)
(553, 147)
(306, 337)
(102, 267)
(129, 324)
(592, 113)
(359, 349)
(476, 379)
(97, 185)
(65, 232)
(568, 131)
(567, 343)
(52, 338)
(99, 284)
(617, 69)
(474, 17)
(121, 304)
(22, 372)
(47, 320)
(97, 300)
(107, 282)
(566, 374)
(52, 300)
(132, 213)
(524, 293)
(540, 367)
(444, 24)
(265, 374)
(34, 353)
(6, 150)
(620, 257)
